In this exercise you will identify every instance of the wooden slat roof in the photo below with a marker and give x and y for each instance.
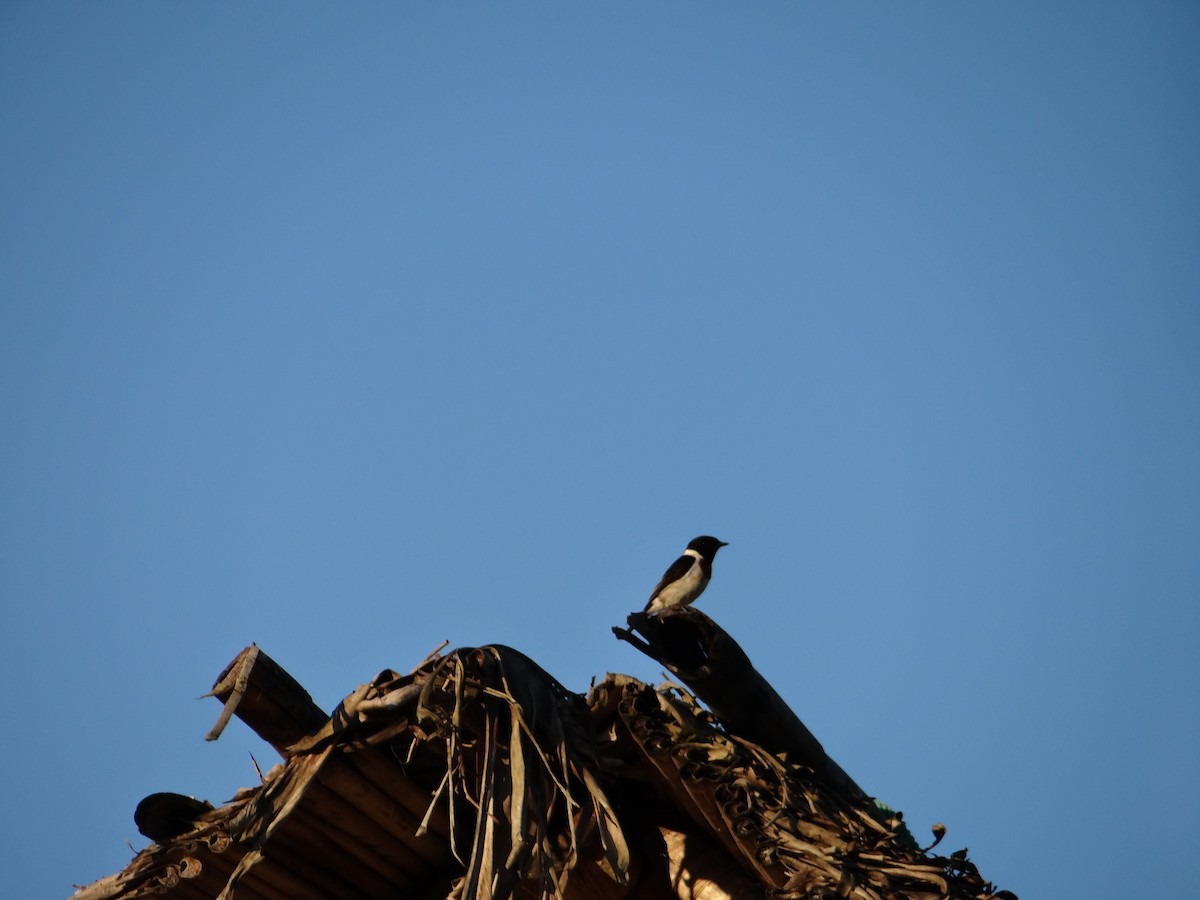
(478, 775)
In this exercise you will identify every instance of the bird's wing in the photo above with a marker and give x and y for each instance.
(675, 571)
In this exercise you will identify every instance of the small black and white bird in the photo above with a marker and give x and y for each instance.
(687, 577)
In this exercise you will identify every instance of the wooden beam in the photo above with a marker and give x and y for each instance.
(710, 662)
(264, 696)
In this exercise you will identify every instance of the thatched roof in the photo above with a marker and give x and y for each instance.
(478, 775)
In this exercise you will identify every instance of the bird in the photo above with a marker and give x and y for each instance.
(687, 577)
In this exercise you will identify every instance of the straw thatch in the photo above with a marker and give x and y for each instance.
(478, 775)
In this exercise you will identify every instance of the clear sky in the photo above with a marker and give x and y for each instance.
(350, 329)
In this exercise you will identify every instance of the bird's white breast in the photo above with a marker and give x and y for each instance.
(683, 590)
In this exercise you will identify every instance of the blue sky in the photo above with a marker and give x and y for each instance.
(348, 331)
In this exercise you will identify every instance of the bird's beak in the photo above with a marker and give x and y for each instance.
(723, 543)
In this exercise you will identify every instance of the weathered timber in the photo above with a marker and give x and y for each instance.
(164, 815)
(712, 664)
(477, 776)
(264, 696)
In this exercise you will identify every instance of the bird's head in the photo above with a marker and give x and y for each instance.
(706, 546)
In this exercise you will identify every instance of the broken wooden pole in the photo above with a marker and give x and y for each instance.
(264, 696)
(705, 658)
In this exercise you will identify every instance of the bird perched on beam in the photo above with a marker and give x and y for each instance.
(687, 577)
